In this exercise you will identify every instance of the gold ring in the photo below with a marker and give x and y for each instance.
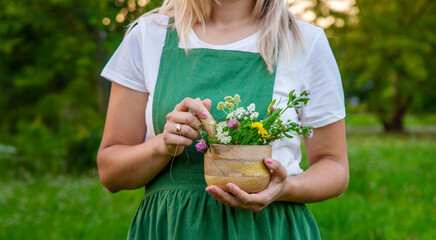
(179, 128)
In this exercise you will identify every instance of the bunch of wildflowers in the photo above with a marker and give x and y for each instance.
(241, 126)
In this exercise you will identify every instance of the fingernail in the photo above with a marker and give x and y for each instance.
(210, 190)
(269, 160)
(229, 186)
(204, 114)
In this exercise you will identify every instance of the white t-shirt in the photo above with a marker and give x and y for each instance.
(135, 64)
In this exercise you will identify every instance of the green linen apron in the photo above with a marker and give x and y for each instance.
(176, 205)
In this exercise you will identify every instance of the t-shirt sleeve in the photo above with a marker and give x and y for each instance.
(125, 67)
(323, 80)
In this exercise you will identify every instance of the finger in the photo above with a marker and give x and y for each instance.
(207, 103)
(205, 114)
(173, 139)
(223, 197)
(185, 130)
(184, 118)
(207, 120)
(278, 169)
(189, 104)
(245, 197)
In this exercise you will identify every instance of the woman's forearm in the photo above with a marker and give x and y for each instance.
(131, 167)
(325, 179)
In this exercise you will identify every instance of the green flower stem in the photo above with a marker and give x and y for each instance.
(253, 131)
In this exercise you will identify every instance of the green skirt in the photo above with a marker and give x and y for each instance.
(176, 206)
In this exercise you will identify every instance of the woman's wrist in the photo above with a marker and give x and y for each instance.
(161, 148)
(289, 191)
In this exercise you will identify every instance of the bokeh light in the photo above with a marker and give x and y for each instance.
(106, 21)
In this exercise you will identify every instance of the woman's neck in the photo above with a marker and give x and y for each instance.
(231, 13)
(230, 21)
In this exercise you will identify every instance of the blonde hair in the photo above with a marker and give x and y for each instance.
(275, 23)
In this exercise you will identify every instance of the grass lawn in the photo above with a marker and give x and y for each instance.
(391, 195)
(65, 208)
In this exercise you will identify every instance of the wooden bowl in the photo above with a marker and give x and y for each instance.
(241, 165)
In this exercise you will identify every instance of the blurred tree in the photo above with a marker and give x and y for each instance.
(336, 17)
(389, 57)
(332, 15)
(51, 54)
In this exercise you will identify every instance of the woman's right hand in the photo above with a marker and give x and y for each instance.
(186, 122)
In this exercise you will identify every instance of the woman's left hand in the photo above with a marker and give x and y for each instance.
(253, 201)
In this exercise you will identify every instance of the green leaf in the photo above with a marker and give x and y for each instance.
(269, 107)
(287, 135)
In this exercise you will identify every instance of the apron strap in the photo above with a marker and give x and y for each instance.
(172, 38)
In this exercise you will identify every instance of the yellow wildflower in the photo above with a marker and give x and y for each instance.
(263, 132)
(257, 125)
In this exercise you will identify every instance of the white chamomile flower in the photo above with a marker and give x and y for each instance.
(300, 124)
(226, 140)
(310, 133)
(224, 137)
(254, 115)
(251, 107)
(220, 127)
(238, 113)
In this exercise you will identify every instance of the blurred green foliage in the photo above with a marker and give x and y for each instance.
(387, 58)
(52, 100)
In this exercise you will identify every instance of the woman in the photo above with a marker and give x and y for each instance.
(251, 47)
